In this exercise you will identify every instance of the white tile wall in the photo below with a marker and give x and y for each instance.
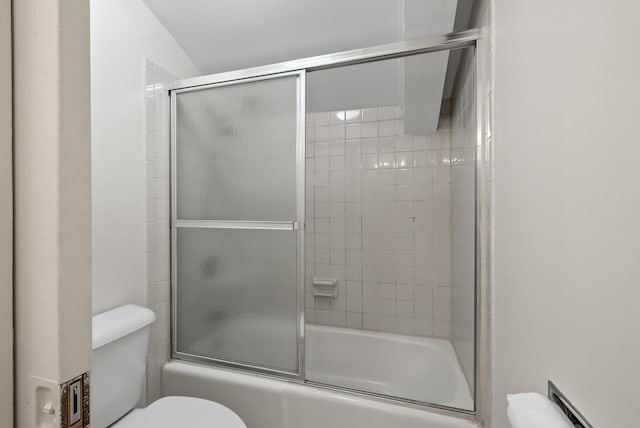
(378, 221)
(463, 179)
(157, 219)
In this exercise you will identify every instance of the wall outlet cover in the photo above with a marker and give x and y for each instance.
(74, 402)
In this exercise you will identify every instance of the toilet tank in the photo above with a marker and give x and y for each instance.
(120, 343)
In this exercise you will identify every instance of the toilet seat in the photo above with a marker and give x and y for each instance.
(173, 412)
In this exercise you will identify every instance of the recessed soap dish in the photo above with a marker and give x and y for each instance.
(325, 287)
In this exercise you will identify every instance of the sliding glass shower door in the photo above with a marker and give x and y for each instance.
(237, 214)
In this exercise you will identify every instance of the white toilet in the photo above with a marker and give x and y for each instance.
(120, 342)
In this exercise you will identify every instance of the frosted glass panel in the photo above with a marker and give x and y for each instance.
(236, 151)
(237, 296)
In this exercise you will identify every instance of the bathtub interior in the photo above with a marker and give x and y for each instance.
(407, 367)
(412, 368)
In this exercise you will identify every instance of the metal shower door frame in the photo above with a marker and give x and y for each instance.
(447, 42)
(297, 225)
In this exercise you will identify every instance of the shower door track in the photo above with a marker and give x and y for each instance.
(447, 42)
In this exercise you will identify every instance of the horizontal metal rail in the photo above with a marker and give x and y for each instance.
(234, 224)
(340, 59)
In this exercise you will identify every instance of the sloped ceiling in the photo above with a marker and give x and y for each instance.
(224, 35)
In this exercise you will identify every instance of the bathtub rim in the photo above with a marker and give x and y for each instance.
(212, 364)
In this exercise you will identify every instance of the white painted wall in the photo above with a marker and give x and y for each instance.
(6, 221)
(567, 204)
(123, 33)
(52, 226)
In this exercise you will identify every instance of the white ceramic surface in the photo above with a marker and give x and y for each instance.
(120, 342)
(171, 412)
(418, 368)
(262, 402)
(119, 362)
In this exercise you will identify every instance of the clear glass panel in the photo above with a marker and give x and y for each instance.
(236, 151)
(237, 296)
(391, 217)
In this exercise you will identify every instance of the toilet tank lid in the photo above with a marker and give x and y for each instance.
(119, 322)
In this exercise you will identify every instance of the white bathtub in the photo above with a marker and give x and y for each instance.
(418, 368)
(267, 403)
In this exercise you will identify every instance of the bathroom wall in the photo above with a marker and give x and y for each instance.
(123, 34)
(52, 187)
(6, 221)
(378, 221)
(567, 204)
(463, 216)
(157, 219)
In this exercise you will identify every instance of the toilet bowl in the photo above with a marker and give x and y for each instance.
(120, 342)
(172, 412)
